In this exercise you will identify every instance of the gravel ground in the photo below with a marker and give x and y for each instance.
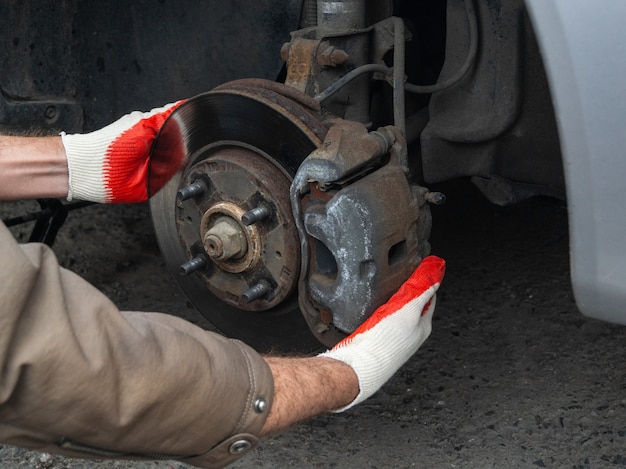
(512, 376)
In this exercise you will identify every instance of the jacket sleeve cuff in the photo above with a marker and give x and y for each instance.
(252, 418)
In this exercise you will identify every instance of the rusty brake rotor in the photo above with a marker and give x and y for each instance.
(224, 223)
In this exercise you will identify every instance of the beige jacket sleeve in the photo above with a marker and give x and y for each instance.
(83, 379)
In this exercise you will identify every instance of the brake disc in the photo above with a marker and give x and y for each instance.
(224, 223)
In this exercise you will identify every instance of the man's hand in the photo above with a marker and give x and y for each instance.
(385, 341)
(112, 165)
(359, 365)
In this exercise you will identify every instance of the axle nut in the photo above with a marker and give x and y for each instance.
(225, 240)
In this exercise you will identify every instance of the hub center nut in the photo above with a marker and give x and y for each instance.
(225, 240)
(232, 246)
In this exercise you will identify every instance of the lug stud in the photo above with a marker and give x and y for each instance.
(192, 190)
(257, 291)
(256, 214)
(193, 265)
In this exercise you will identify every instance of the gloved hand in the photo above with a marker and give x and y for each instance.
(390, 336)
(112, 165)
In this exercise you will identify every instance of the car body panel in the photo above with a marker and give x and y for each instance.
(584, 50)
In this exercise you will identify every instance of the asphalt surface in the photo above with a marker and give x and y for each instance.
(512, 375)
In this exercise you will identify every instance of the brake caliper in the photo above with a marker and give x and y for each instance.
(361, 226)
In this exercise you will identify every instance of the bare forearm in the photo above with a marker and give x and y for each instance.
(305, 387)
(32, 167)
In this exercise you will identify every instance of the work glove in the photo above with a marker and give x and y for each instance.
(112, 165)
(393, 333)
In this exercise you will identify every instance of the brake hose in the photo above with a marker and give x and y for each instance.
(421, 89)
(351, 75)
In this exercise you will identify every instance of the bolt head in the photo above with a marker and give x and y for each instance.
(225, 240)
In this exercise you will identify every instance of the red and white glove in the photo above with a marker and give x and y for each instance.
(112, 165)
(390, 336)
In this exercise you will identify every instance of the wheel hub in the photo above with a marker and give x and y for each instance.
(240, 221)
